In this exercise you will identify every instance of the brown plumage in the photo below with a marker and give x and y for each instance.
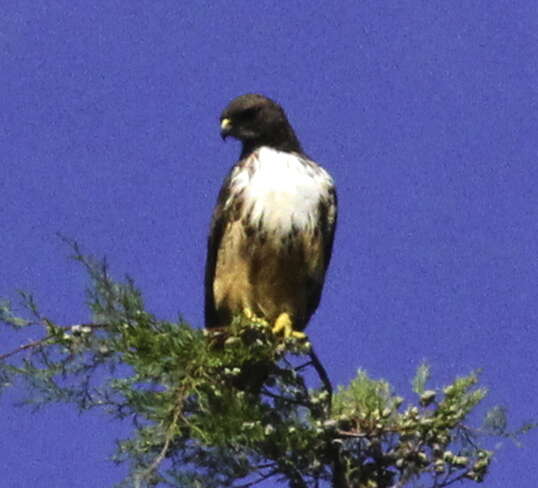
(273, 226)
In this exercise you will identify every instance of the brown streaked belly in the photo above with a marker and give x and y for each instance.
(269, 276)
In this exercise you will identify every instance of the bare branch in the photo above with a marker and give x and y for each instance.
(30, 345)
(43, 340)
(168, 439)
(322, 373)
(259, 480)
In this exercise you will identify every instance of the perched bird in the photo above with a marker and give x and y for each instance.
(273, 226)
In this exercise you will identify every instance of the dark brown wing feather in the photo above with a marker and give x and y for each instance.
(327, 227)
(328, 222)
(218, 225)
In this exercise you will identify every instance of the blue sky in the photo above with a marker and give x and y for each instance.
(424, 112)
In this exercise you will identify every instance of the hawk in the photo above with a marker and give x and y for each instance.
(273, 226)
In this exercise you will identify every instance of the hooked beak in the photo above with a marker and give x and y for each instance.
(225, 128)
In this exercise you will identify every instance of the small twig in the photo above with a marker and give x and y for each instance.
(339, 477)
(338, 469)
(259, 480)
(466, 433)
(30, 345)
(345, 433)
(286, 399)
(448, 482)
(43, 340)
(298, 480)
(303, 366)
(450, 470)
(168, 439)
(322, 373)
(266, 465)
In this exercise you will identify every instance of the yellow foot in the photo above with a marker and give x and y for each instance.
(252, 317)
(284, 323)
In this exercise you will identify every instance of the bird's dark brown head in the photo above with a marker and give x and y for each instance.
(257, 121)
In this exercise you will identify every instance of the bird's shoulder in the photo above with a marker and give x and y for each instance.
(267, 165)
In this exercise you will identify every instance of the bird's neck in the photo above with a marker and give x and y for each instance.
(284, 140)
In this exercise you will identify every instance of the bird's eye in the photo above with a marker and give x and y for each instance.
(249, 113)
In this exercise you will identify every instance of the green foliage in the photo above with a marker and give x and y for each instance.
(232, 407)
(384, 444)
(421, 378)
(7, 316)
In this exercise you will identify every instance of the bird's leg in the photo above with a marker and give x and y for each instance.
(252, 317)
(284, 323)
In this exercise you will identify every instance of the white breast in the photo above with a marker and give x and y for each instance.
(281, 189)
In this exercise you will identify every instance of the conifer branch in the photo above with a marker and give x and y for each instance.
(167, 441)
(225, 406)
(322, 373)
(50, 337)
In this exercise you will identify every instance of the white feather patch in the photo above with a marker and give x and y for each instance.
(282, 189)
